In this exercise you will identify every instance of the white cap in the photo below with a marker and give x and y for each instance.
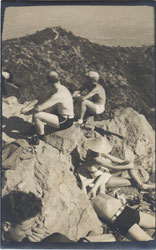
(6, 75)
(53, 76)
(99, 145)
(94, 75)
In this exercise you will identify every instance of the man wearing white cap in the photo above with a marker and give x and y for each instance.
(60, 102)
(97, 95)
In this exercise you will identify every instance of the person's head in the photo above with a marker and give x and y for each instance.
(53, 77)
(92, 76)
(20, 210)
(7, 75)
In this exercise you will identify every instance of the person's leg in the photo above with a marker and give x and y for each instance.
(117, 182)
(50, 119)
(135, 176)
(87, 106)
(147, 220)
(137, 233)
(117, 173)
(39, 125)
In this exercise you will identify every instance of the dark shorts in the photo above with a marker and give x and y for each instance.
(127, 219)
(65, 122)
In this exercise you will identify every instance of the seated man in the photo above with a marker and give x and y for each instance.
(124, 218)
(60, 100)
(97, 95)
(105, 168)
(21, 220)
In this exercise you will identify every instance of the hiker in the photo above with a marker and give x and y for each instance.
(21, 220)
(101, 166)
(122, 217)
(60, 102)
(95, 100)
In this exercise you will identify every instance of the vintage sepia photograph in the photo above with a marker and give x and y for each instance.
(78, 125)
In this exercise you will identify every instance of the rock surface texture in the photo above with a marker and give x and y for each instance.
(49, 173)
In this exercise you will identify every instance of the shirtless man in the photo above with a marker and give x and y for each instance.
(124, 218)
(61, 101)
(97, 95)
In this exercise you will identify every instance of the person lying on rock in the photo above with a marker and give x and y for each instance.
(99, 163)
(60, 102)
(122, 217)
(95, 100)
(21, 220)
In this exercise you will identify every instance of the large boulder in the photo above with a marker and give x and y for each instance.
(13, 122)
(65, 140)
(47, 174)
(138, 144)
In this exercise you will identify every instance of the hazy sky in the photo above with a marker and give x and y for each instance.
(108, 25)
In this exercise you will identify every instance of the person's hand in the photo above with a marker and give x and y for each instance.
(39, 232)
(80, 98)
(76, 93)
(92, 194)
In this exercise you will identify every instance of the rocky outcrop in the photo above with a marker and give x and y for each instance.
(138, 144)
(47, 174)
(50, 172)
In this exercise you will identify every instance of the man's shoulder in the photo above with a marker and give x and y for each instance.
(63, 90)
(99, 86)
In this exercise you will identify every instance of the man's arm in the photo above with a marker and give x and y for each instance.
(93, 92)
(109, 165)
(47, 104)
(29, 107)
(112, 158)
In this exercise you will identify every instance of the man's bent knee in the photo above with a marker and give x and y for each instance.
(38, 115)
(84, 102)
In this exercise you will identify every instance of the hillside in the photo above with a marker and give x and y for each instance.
(127, 74)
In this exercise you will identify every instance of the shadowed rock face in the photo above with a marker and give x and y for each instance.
(128, 74)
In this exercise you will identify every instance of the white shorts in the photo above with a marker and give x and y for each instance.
(99, 108)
